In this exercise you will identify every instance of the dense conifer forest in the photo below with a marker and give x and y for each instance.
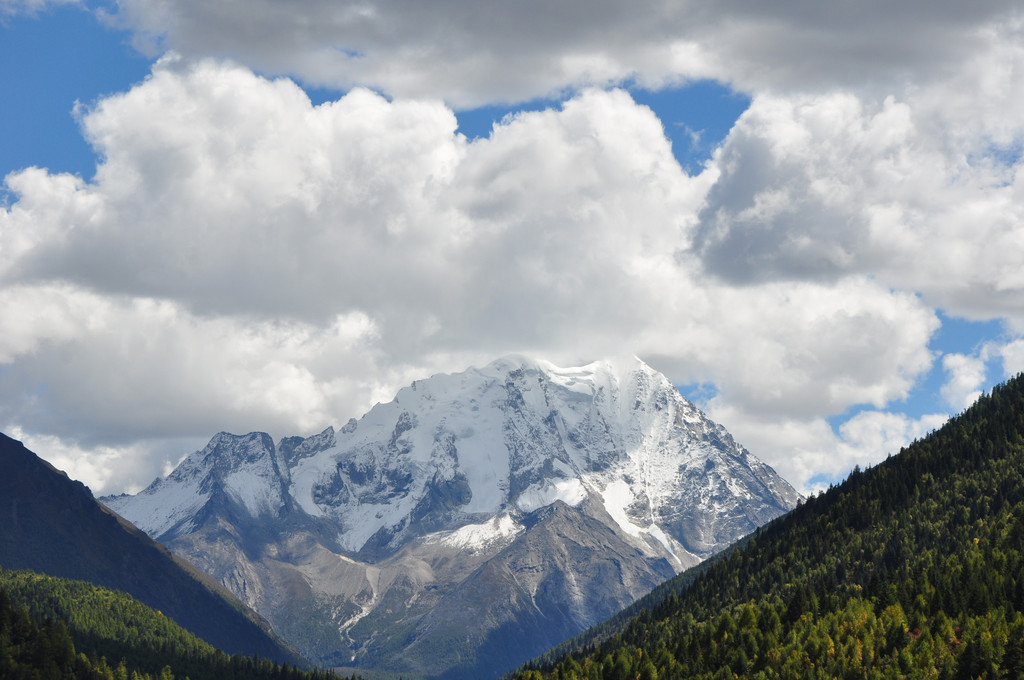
(58, 628)
(911, 569)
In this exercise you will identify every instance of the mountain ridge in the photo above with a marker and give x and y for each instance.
(374, 526)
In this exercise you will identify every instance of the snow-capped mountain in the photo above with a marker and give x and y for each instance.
(473, 521)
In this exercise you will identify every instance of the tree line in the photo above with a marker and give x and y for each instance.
(53, 628)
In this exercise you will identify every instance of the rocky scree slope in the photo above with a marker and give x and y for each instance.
(470, 523)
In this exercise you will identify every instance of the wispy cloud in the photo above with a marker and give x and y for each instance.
(11, 8)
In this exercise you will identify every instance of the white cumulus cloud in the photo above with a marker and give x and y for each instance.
(246, 260)
(965, 378)
(243, 259)
(811, 454)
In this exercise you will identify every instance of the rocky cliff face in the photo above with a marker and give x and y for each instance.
(470, 523)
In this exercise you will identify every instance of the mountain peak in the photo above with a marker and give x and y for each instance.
(455, 471)
(512, 436)
(619, 367)
(244, 468)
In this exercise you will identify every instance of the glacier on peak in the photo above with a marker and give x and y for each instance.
(456, 449)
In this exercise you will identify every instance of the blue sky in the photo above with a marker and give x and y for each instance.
(66, 56)
(823, 255)
(51, 61)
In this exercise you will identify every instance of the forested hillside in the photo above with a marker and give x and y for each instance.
(913, 568)
(59, 628)
(52, 525)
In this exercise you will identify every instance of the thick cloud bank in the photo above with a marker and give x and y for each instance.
(245, 260)
(470, 53)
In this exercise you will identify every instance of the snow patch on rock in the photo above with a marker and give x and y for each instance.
(477, 537)
(165, 508)
(546, 492)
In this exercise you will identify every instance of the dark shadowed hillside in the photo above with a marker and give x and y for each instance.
(53, 525)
